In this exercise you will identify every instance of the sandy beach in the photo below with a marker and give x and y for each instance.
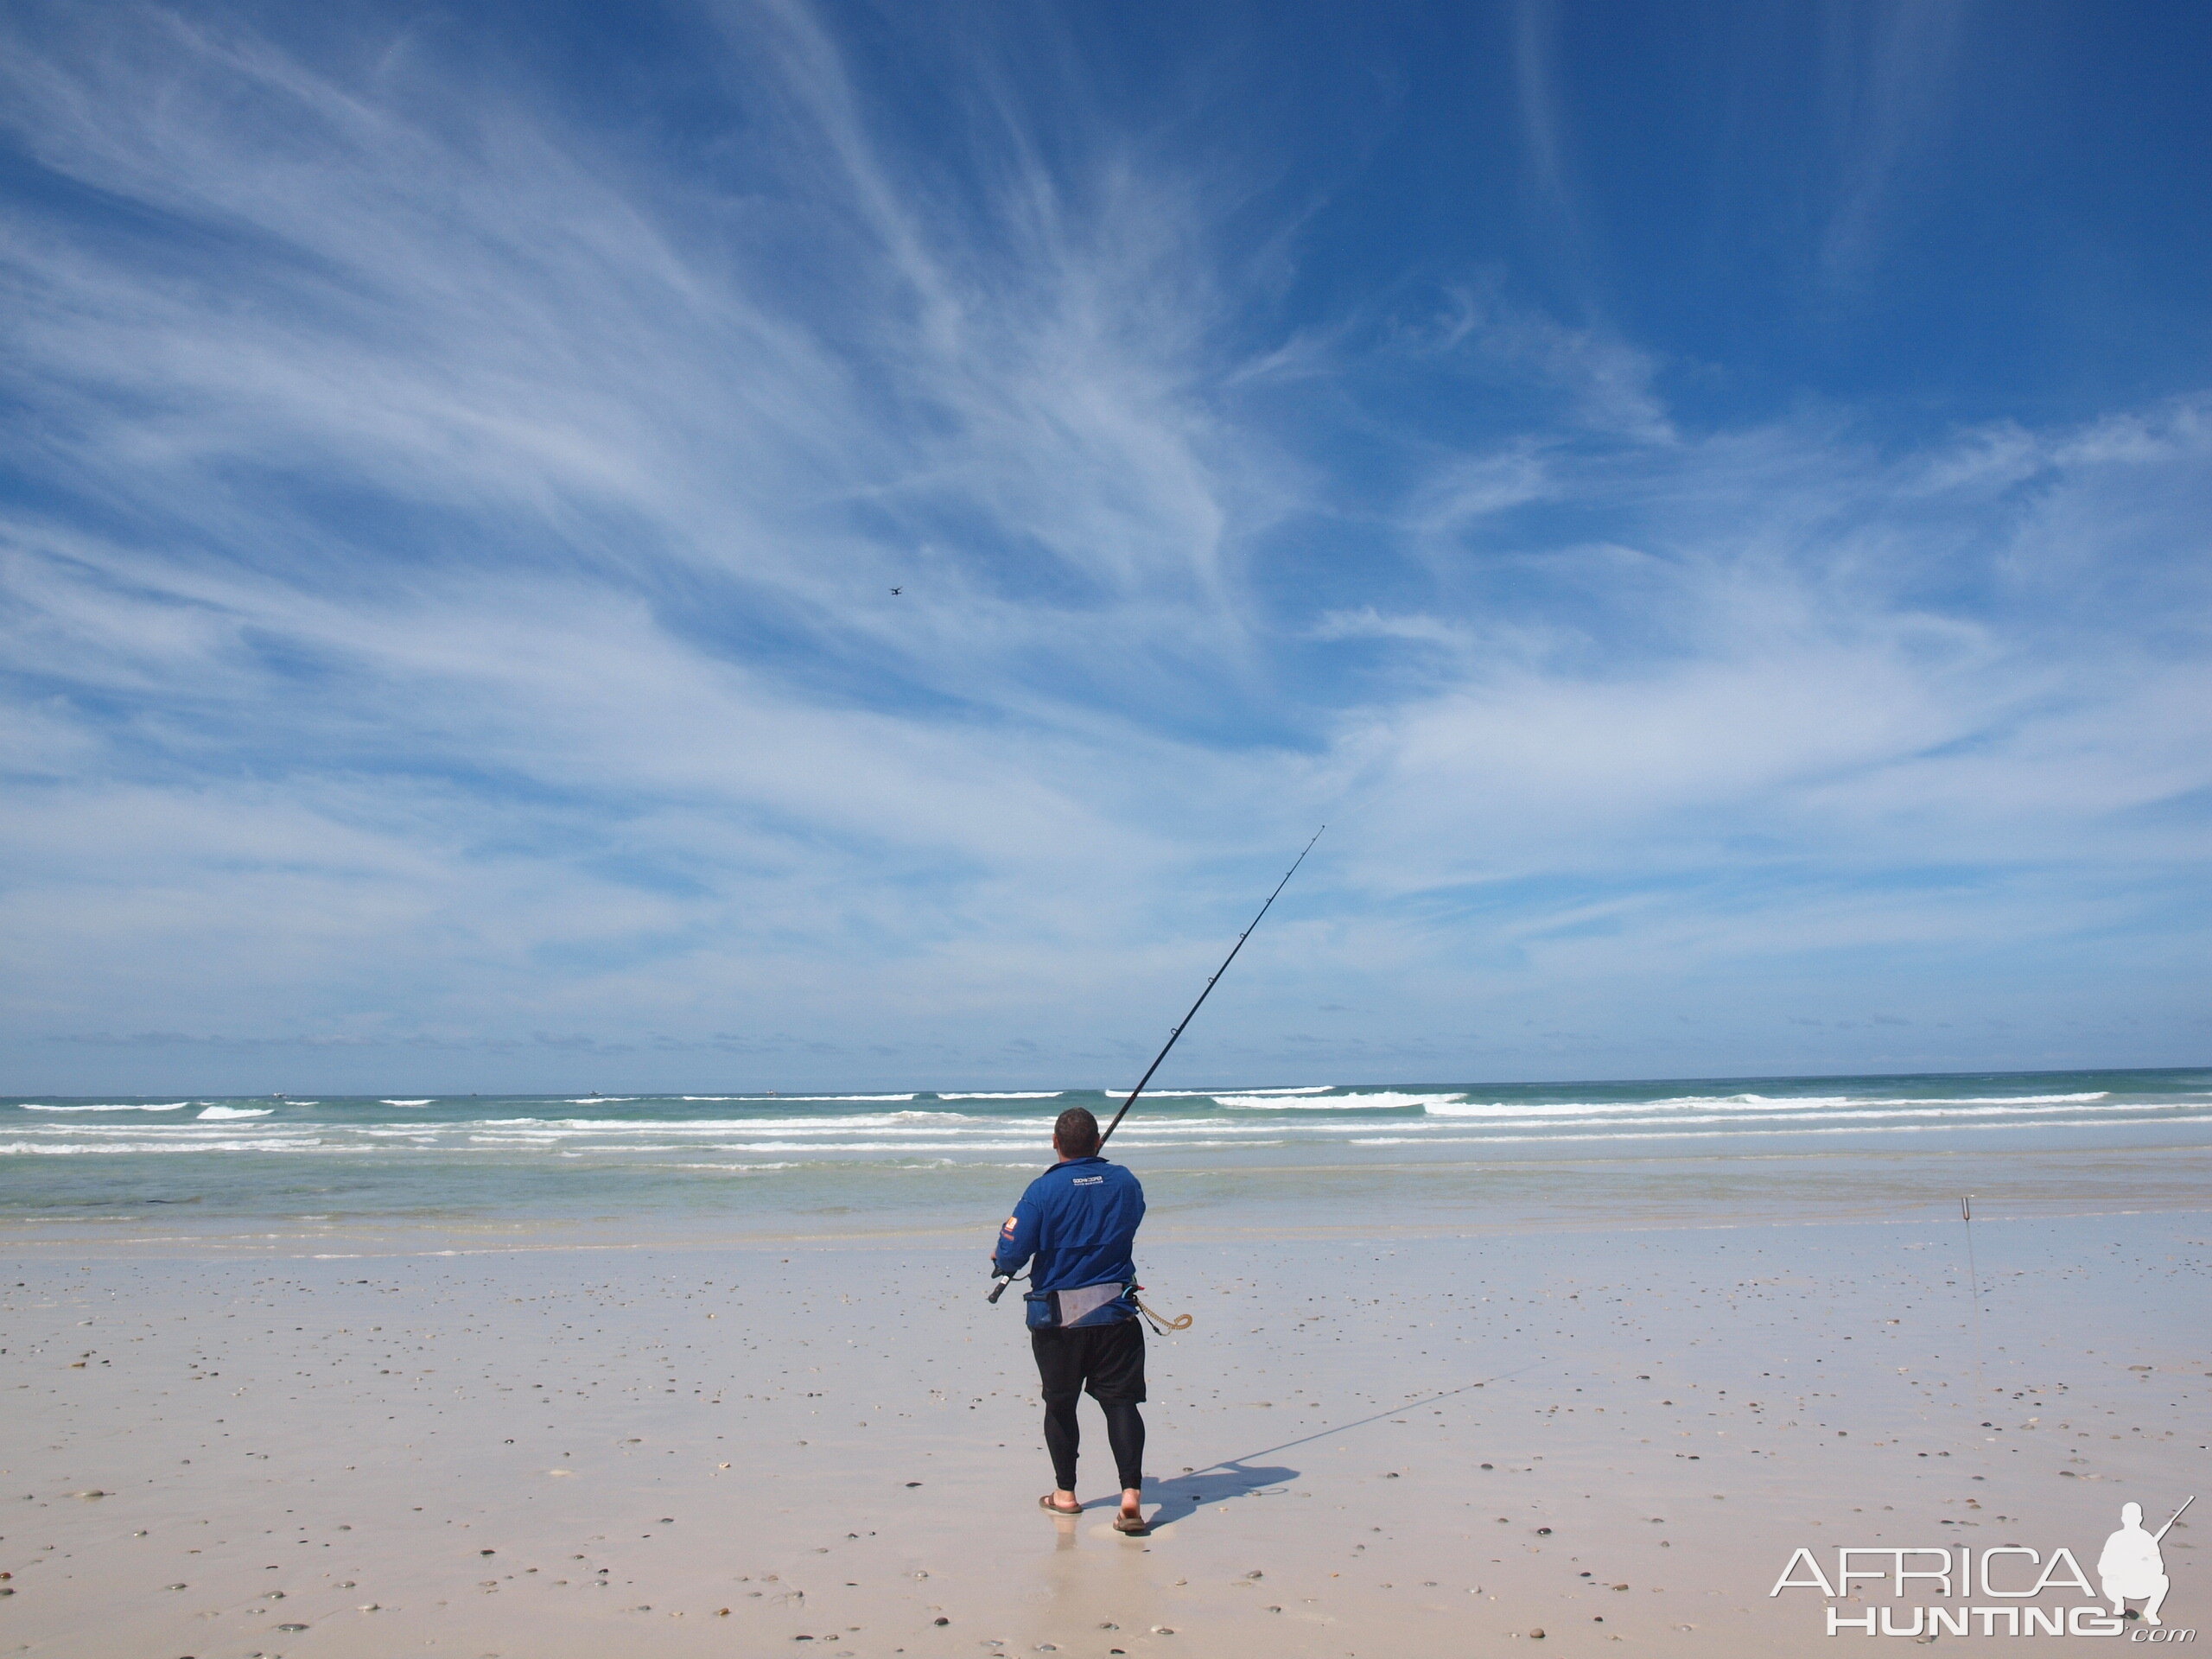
(1554, 660)
(1370, 1442)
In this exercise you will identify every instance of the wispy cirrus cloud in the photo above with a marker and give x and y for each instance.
(1890, 76)
(448, 572)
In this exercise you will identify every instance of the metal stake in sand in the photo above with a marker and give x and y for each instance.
(1974, 1289)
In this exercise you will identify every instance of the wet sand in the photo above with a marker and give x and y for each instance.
(1368, 1444)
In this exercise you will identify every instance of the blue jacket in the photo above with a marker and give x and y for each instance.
(1079, 1219)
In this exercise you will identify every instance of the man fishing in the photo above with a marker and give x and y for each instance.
(1078, 1221)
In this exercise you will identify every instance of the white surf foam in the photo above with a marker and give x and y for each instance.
(1747, 1107)
(1275, 1102)
(404, 1102)
(818, 1147)
(176, 1106)
(1739, 1129)
(796, 1099)
(73, 1148)
(1384, 1097)
(237, 1111)
(935, 1122)
(741, 1168)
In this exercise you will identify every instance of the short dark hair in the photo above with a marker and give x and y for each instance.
(1075, 1131)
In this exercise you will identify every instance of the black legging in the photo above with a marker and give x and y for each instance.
(1124, 1433)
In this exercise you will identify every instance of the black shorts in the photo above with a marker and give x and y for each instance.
(1107, 1361)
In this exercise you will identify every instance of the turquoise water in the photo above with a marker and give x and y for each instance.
(900, 1158)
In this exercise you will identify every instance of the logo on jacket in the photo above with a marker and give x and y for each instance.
(1088, 1180)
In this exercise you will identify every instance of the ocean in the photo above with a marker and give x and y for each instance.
(1313, 1156)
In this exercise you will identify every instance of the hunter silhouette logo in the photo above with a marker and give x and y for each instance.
(2132, 1567)
(2008, 1576)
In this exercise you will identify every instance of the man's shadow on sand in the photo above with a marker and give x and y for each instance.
(1240, 1477)
(1182, 1496)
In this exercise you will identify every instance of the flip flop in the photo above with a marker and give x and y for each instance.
(1045, 1503)
(1134, 1525)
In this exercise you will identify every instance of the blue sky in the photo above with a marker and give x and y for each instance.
(1708, 502)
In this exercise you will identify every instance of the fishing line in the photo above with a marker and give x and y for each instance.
(1973, 1282)
(1346, 1428)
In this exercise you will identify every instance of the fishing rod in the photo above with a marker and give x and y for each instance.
(998, 1286)
(1184, 1023)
